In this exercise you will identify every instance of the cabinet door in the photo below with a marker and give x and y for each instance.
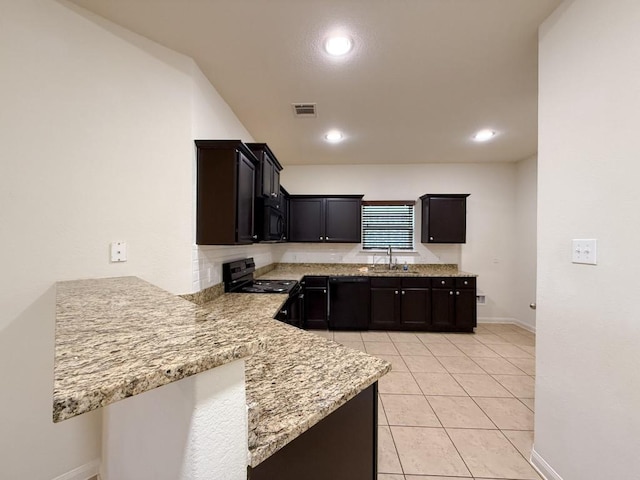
(416, 308)
(275, 182)
(442, 308)
(284, 208)
(385, 308)
(306, 220)
(267, 176)
(343, 220)
(315, 308)
(245, 200)
(444, 219)
(465, 309)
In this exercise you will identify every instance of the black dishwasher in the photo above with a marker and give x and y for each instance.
(349, 303)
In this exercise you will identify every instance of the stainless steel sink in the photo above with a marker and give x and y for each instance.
(395, 270)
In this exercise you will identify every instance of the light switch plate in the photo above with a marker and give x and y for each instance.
(118, 252)
(584, 251)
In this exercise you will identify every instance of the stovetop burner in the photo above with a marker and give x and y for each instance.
(238, 277)
(269, 286)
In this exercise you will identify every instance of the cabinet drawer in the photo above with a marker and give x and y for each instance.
(443, 282)
(465, 282)
(416, 282)
(382, 282)
(315, 282)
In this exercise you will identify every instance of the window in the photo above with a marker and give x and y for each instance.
(388, 223)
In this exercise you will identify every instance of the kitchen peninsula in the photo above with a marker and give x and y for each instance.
(122, 337)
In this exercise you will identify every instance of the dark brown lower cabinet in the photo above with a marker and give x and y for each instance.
(400, 303)
(454, 304)
(441, 304)
(342, 446)
(385, 304)
(315, 302)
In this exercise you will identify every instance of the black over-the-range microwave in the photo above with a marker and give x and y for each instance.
(273, 221)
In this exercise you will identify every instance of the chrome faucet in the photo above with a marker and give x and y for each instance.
(390, 253)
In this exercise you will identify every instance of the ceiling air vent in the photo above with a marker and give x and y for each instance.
(305, 110)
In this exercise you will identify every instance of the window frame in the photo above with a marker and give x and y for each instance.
(390, 203)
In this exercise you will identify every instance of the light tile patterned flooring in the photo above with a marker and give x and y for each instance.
(455, 406)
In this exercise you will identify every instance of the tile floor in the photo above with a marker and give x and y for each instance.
(455, 406)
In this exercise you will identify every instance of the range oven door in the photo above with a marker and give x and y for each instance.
(273, 223)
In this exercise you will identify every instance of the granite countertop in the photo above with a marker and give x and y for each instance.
(298, 379)
(295, 271)
(118, 337)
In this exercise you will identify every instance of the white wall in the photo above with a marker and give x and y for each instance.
(192, 429)
(96, 145)
(525, 242)
(587, 422)
(489, 250)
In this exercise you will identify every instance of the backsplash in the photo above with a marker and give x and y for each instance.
(207, 261)
(353, 253)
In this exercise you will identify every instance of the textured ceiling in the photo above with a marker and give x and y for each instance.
(423, 76)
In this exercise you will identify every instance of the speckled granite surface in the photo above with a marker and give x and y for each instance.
(122, 336)
(295, 271)
(205, 295)
(298, 380)
(118, 337)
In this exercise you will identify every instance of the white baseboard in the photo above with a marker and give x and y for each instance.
(543, 468)
(508, 321)
(83, 472)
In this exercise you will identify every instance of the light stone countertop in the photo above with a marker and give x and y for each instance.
(295, 271)
(118, 337)
(299, 379)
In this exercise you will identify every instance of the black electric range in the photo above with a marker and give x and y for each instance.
(238, 278)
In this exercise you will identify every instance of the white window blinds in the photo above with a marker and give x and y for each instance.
(387, 224)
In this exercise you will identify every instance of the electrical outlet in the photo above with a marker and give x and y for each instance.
(118, 252)
(584, 251)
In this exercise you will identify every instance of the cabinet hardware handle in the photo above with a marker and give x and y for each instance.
(458, 293)
(403, 292)
(396, 292)
(255, 237)
(466, 283)
(430, 238)
(451, 292)
(326, 238)
(321, 238)
(532, 306)
(284, 312)
(443, 282)
(324, 291)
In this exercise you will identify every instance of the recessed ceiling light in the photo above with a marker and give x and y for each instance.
(334, 136)
(338, 45)
(484, 135)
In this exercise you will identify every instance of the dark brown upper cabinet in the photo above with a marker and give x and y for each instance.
(225, 205)
(317, 218)
(444, 218)
(268, 173)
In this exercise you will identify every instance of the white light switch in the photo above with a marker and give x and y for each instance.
(584, 251)
(118, 252)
